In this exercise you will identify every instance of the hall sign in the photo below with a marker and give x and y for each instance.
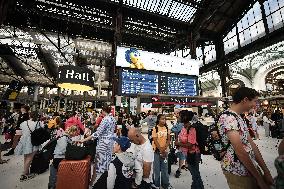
(75, 78)
(143, 60)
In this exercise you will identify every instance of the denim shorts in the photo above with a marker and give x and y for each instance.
(180, 156)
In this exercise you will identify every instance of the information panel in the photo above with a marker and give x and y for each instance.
(133, 82)
(181, 86)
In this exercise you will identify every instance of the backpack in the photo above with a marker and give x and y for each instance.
(218, 153)
(202, 133)
(39, 135)
(156, 128)
(49, 148)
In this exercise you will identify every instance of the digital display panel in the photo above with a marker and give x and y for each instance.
(133, 82)
(143, 60)
(181, 86)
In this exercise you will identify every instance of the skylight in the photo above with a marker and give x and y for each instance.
(175, 9)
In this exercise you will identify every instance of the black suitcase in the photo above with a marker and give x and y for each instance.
(40, 163)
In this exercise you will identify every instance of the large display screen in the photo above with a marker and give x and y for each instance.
(143, 60)
(133, 81)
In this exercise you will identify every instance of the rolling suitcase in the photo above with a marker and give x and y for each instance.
(40, 163)
(74, 174)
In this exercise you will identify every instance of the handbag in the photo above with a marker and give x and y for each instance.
(39, 163)
(74, 152)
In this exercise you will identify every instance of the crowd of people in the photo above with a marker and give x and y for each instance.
(125, 158)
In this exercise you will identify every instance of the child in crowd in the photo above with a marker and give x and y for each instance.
(161, 141)
(120, 172)
(59, 154)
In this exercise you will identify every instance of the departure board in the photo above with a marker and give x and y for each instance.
(181, 86)
(134, 81)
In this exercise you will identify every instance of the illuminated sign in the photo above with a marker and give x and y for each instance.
(137, 59)
(75, 78)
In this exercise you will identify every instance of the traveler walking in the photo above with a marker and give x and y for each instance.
(242, 159)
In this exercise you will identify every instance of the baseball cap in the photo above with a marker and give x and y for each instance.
(123, 142)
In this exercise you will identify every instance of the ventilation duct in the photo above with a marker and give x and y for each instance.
(7, 54)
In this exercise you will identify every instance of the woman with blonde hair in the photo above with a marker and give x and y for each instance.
(59, 153)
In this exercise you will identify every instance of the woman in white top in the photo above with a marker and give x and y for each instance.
(266, 123)
(25, 146)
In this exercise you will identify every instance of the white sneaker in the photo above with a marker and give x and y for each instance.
(153, 186)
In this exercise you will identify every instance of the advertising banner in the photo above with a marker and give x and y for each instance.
(138, 59)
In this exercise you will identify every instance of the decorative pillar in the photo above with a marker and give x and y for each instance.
(65, 104)
(138, 105)
(238, 37)
(264, 16)
(35, 97)
(203, 53)
(223, 69)
(58, 102)
(116, 42)
(192, 45)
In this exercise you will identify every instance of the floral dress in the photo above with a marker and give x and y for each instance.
(104, 134)
(230, 161)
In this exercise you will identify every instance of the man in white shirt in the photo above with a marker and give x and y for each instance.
(144, 154)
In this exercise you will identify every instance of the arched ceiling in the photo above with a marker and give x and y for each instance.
(248, 66)
(276, 78)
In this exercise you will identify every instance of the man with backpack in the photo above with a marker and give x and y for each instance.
(242, 160)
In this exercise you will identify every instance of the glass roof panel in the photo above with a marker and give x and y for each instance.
(25, 44)
(172, 8)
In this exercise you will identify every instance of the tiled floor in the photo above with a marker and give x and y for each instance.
(210, 171)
